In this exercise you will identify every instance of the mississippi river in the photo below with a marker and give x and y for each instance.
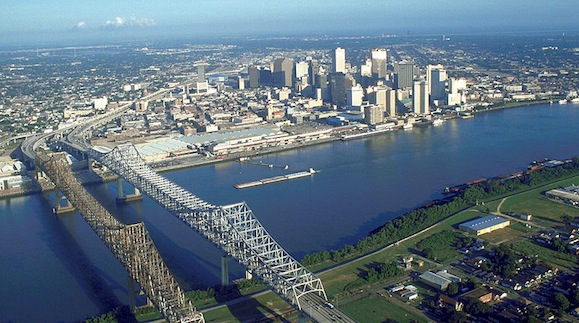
(56, 269)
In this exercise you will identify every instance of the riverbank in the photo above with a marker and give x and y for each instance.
(179, 163)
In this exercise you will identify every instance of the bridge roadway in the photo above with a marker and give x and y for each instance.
(233, 228)
(131, 244)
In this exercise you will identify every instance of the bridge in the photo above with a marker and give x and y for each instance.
(232, 228)
(131, 244)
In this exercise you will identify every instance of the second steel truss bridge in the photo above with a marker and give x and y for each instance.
(232, 228)
(131, 244)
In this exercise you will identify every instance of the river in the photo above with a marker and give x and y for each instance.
(54, 268)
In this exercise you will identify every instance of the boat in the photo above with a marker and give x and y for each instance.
(276, 179)
(575, 101)
(408, 126)
(466, 115)
(437, 122)
(563, 101)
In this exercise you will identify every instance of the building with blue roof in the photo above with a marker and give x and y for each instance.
(484, 225)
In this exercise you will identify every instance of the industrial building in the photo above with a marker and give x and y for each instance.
(569, 194)
(484, 225)
(435, 280)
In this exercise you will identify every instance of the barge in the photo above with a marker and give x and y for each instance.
(276, 179)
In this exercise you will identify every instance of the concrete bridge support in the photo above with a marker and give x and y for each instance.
(224, 270)
(59, 208)
(122, 198)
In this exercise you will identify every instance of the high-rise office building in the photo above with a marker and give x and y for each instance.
(379, 61)
(339, 60)
(200, 71)
(253, 77)
(404, 74)
(240, 83)
(436, 77)
(313, 71)
(366, 69)
(373, 114)
(420, 97)
(283, 72)
(337, 85)
(302, 71)
(355, 96)
(391, 103)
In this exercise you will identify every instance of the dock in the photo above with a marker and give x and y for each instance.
(276, 179)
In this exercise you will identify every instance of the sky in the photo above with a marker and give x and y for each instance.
(29, 21)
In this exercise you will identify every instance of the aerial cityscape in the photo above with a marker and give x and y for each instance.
(235, 162)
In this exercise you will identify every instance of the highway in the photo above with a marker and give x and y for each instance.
(320, 311)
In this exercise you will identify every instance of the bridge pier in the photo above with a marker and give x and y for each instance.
(132, 305)
(59, 208)
(224, 270)
(122, 198)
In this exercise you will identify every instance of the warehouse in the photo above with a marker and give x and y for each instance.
(484, 225)
(435, 280)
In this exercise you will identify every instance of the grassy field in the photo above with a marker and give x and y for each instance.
(379, 309)
(268, 306)
(336, 280)
(503, 235)
(544, 211)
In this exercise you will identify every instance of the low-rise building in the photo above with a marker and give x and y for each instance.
(435, 280)
(484, 225)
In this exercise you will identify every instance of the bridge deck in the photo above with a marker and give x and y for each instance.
(232, 228)
(131, 244)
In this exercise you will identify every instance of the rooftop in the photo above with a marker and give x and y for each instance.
(484, 222)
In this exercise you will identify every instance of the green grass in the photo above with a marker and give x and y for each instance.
(502, 235)
(264, 307)
(549, 256)
(544, 211)
(147, 314)
(441, 247)
(379, 309)
(515, 225)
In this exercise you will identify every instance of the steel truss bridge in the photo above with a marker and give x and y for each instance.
(232, 228)
(130, 244)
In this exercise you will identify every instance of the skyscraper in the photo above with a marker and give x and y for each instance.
(436, 78)
(314, 69)
(379, 59)
(404, 74)
(391, 103)
(200, 71)
(420, 97)
(283, 72)
(338, 88)
(354, 96)
(302, 70)
(253, 77)
(339, 60)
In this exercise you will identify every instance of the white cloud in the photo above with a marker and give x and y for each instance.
(129, 22)
(80, 25)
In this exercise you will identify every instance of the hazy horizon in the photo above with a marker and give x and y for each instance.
(34, 22)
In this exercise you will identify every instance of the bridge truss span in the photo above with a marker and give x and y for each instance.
(232, 228)
(130, 244)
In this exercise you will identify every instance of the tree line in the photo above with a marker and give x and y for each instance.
(423, 217)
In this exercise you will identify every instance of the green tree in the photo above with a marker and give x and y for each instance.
(455, 317)
(566, 218)
(561, 302)
(452, 289)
